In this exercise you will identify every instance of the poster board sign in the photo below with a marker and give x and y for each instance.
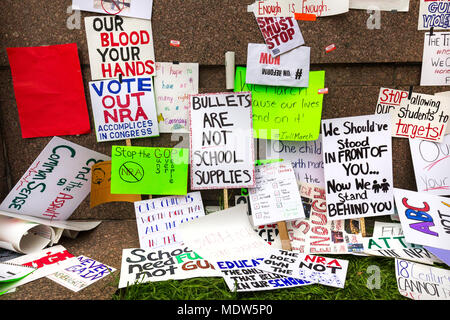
(445, 96)
(288, 8)
(124, 109)
(276, 196)
(222, 144)
(13, 272)
(158, 219)
(119, 46)
(290, 69)
(389, 100)
(56, 182)
(173, 85)
(358, 166)
(436, 52)
(281, 34)
(421, 282)
(147, 170)
(431, 161)
(441, 254)
(141, 9)
(425, 218)
(433, 14)
(285, 113)
(382, 5)
(174, 263)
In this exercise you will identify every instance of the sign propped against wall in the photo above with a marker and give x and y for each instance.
(436, 53)
(119, 46)
(288, 8)
(290, 69)
(173, 85)
(425, 218)
(141, 9)
(358, 166)
(281, 34)
(124, 109)
(382, 5)
(285, 113)
(434, 14)
(56, 183)
(222, 150)
(431, 161)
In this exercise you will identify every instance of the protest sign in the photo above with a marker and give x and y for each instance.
(285, 113)
(49, 94)
(445, 97)
(141, 9)
(119, 46)
(389, 100)
(275, 197)
(425, 218)
(173, 85)
(441, 254)
(101, 186)
(431, 161)
(243, 276)
(281, 34)
(434, 14)
(422, 117)
(387, 229)
(421, 282)
(327, 271)
(146, 170)
(358, 166)
(436, 53)
(175, 263)
(158, 219)
(84, 272)
(124, 109)
(222, 151)
(224, 235)
(290, 69)
(56, 183)
(305, 156)
(382, 5)
(13, 272)
(288, 8)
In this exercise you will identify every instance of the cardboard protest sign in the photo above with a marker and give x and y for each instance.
(389, 100)
(358, 166)
(327, 271)
(119, 46)
(423, 117)
(141, 9)
(158, 219)
(281, 34)
(290, 69)
(421, 282)
(49, 94)
(434, 14)
(84, 272)
(222, 151)
(288, 8)
(124, 109)
(275, 197)
(305, 156)
(243, 276)
(176, 263)
(101, 186)
(425, 218)
(56, 183)
(436, 52)
(382, 5)
(431, 161)
(146, 170)
(173, 85)
(285, 113)
(224, 235)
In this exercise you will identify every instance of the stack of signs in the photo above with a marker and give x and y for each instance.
(421, 282)
(124, 109)
(436, 52)
(138, 9)
(431, 162)
(222, 151)
(56, 183)
(434, 14)
(315, 269)
(119, 46)
(175, 263)
(389, 100)
(290, 69)
(276, 196)
(281, 34)
(173, 85)
(158, 219)
(145, 170)
(425, 218)
(358, 167)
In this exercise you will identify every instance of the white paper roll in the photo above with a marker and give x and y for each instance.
(229, 69)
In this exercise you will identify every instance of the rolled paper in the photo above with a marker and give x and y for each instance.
(229, 67)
